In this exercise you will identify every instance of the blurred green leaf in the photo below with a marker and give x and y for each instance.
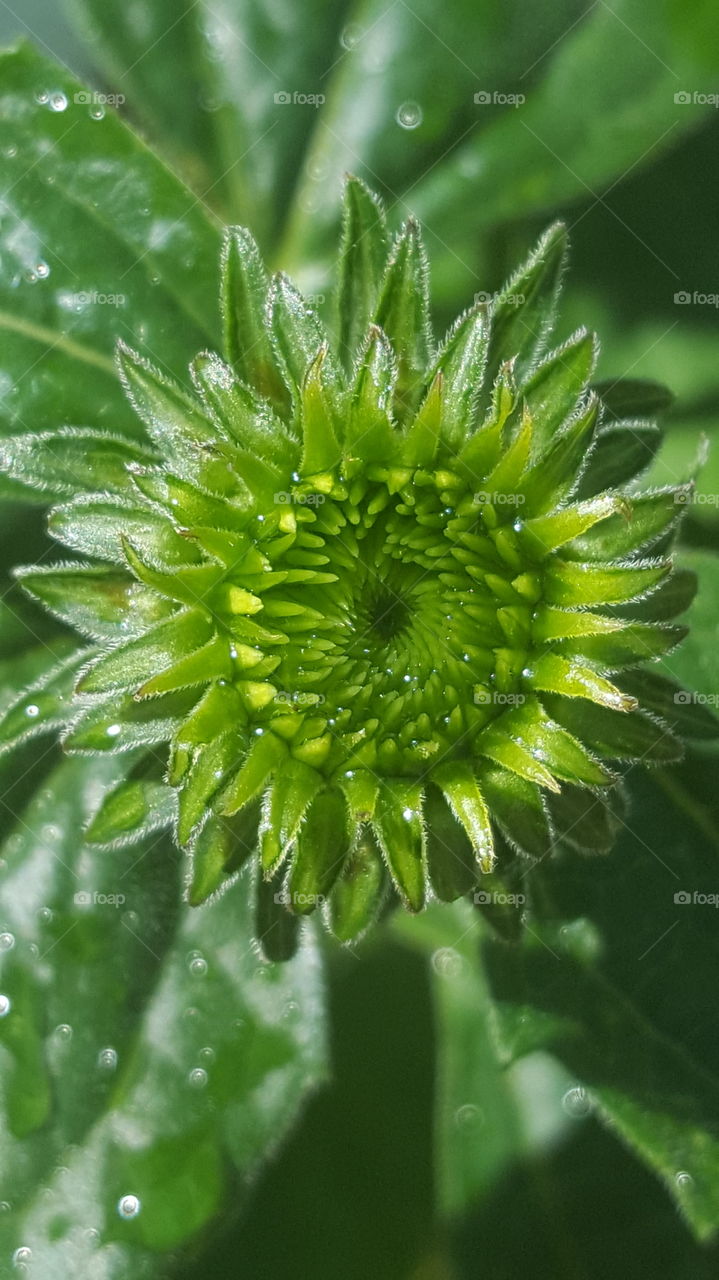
(214, 82)
(99, 242)
(146, 1052)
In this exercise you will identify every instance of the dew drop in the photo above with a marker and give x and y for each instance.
(63, 1033)
(10, 153)
(32, 710)
(97, 113)
(409, 115)
(207, 1054)
(447, 962)
(197, 964)
(7, 941)
(128, 1206)
(107, 1059)
(351, 35)
(684, 1179)
(43, 97)
(197, 1079)
(58, 102)
(577, 1103)
(21, 1256)
(5, 1006)
(468, 1117)
(44, 915)
(112, 730)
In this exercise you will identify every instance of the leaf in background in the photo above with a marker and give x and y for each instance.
(487, 1118)
(212, 82)
(603, 101)
(695, 664)
(145, 1050)
(98, 242)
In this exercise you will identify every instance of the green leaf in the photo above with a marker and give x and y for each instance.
(357, 893)
(554, 388)
(97, 528)
(621, 452)
(398, 826)
(544, 152)
(145, 1053)
(696, 663)
(232, 124)
(244, 291)
(580, 584)
(131, 811)
(487, 1117)
(112, 246)
(469, 807)
(646, 518)
(97, 602)
(69, 461)
(322, 846)
(131, 664)
(402, 312)
(298, 335)
(523, 313)
(362, 261)
(633, 397)
(646, 1087)
(618, 735)
(45, 703)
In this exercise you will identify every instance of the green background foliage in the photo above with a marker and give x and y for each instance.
(462, 1107)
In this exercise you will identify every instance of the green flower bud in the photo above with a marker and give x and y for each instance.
(384, 601)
